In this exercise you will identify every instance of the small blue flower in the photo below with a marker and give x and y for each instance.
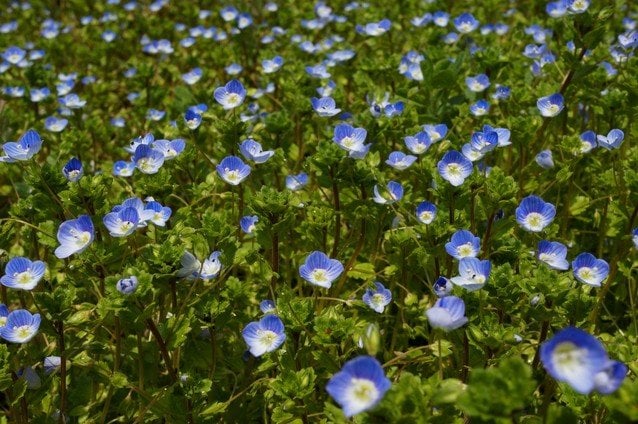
(544, 159)
(74, 235)
(575, 357)
(374, 29)
(463, 244)
(147, 159)
(534, 214)
(169, 148)
(455, 168)
(484, 141)
(589, 270)
(393, 193)
(359, 385)
(577, 6)
(193, 119)
(613, 140)
(400, 161)
(234, 69)
(272, 65)
(267, 306)
(554, 254)
(480, 108)
(54, 124)
(155, 115)
(39, 94)
(123, 169)
(351, 140)
(477, 83)
(377, 299)
(73, 170)
(473, 273)
(324, 106)
(418, 143)
(20, 273)
(265, 335)
(4, 314)
(442, 286)
(426, 212)
(634, 237)
(551, 105)
(502, 92)
(231, 95)
(191, 77)
(14, 55)
(252, 150)
(20, 327)
(51, 364)
(320, 270)
(556, 9)
(118, 122)
(160, 214)
(127, 285)
(26, 147)
(247, 223)
(448, 313)
(503, 135)
(318, 71)
(192, 268)
(233, 170)
(121, 223)
(72, 101)
(296, 182)
(465, 23)
(588, 141)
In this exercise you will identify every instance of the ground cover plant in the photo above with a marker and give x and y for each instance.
(297, 212)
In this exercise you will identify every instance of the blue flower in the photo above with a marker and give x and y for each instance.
(463, 244)
(4, 314)
(296, 182)
(155, 115)
(169, 148)
(121, 223)
(589, 270)
(502, 92)
(613, 140)
(231, 95)
(318, 71)
(73, 170)
(123, 169)
(634, 237)
(556, 9)
(374, 29)
(72, 101)
(127, 285)
(393, 193)
(160, 214)
(485, 141)
(465, 23)
(359, 385)
(320, 270)
(442, 286)
(325, 106)
(426, 212)
(554, 254)
(577, 6)
(247, 223)
(233, 170)
(455, 168)
(145, 140)
(351, 140)
(588, 141)
(448, 313)
(21, 273)
(534, 214)
(20, 327)
(544, 159)
(272, 65)
(192, 76)
(551, 105)
(477, 83)
(192, 119)
(74, 235)
(118, 122)
(377, 299)
(26, 147)
(400, 161)
(54, 124)
(480, 108)
(435, 132)
(147, 159)
(252, 150)
(473, 273)
(192, 268)
(234, 69)
(610, 377)
(265, 335)
(267, 306)
(575, 357)
(14, 55)
(418, 143)
(39, 94)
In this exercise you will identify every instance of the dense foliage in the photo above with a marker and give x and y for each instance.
(402, 211)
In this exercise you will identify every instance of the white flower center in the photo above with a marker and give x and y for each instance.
(454, 169)
(24, 277)
(426, 217)
(233, 99)
(23, 331)
(319, 275)
(568, 358)
(267, 338)
(231, 175)
(465, 250)
(362, 391)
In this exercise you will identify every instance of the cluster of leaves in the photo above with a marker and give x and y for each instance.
(173, 350)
